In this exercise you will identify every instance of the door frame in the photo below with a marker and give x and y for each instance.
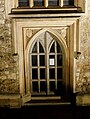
(66, 52)
(21, 42)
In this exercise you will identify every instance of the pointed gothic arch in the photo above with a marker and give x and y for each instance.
(30, 45)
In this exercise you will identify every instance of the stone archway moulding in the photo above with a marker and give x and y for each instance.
(22, 43)
(28, 46)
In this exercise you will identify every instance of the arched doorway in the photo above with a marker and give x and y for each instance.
(47, 67)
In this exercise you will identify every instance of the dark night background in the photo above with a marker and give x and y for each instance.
(46, 112)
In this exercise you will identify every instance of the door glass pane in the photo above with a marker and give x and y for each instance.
(34, 50)
(52, 50)
(35, 86)
(59, 73)
(53, 2)
(59, 60)
(52, 73)
(34, 60)
(38, 2)
(43, 86)
(59, 90)
(52, 85)
(59, 50)
(41, 50)
(23, 3)
(51, 56)
(42, 60)
(34, 74)
(42, 73)
(51, 60)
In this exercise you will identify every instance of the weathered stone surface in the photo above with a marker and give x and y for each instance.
(83, 64)
(8, 67)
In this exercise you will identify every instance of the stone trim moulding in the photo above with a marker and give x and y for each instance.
(26, 29)
(45, 15)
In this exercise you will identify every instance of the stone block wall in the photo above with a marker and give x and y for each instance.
(83, 64)
(9, 82)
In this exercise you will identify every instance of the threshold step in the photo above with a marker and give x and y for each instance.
(38, 104)
(47, 102)
(46, 98)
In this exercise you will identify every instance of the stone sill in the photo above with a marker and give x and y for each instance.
(51, 15)
(48, 9)
(46, 12)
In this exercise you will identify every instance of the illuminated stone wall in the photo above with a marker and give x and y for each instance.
(8, 66)
(83, 64)
(9, 78)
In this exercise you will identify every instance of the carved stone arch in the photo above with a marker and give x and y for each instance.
(52, 31)
(27, 49)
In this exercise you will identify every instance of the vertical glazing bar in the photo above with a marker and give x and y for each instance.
(61, 3)
(31, 84)
(47, 67)
(38, 66)
(31, 3)
(16, 3)
(55, 66)
(46, 3)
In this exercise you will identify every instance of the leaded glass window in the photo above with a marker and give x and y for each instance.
(53, 2)
(46, 66)
(23, 3)
(66, 2)
(38, 2)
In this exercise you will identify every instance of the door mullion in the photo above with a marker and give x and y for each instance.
(47, 67)
(31, 74)
(55, 66)
(38, 66)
